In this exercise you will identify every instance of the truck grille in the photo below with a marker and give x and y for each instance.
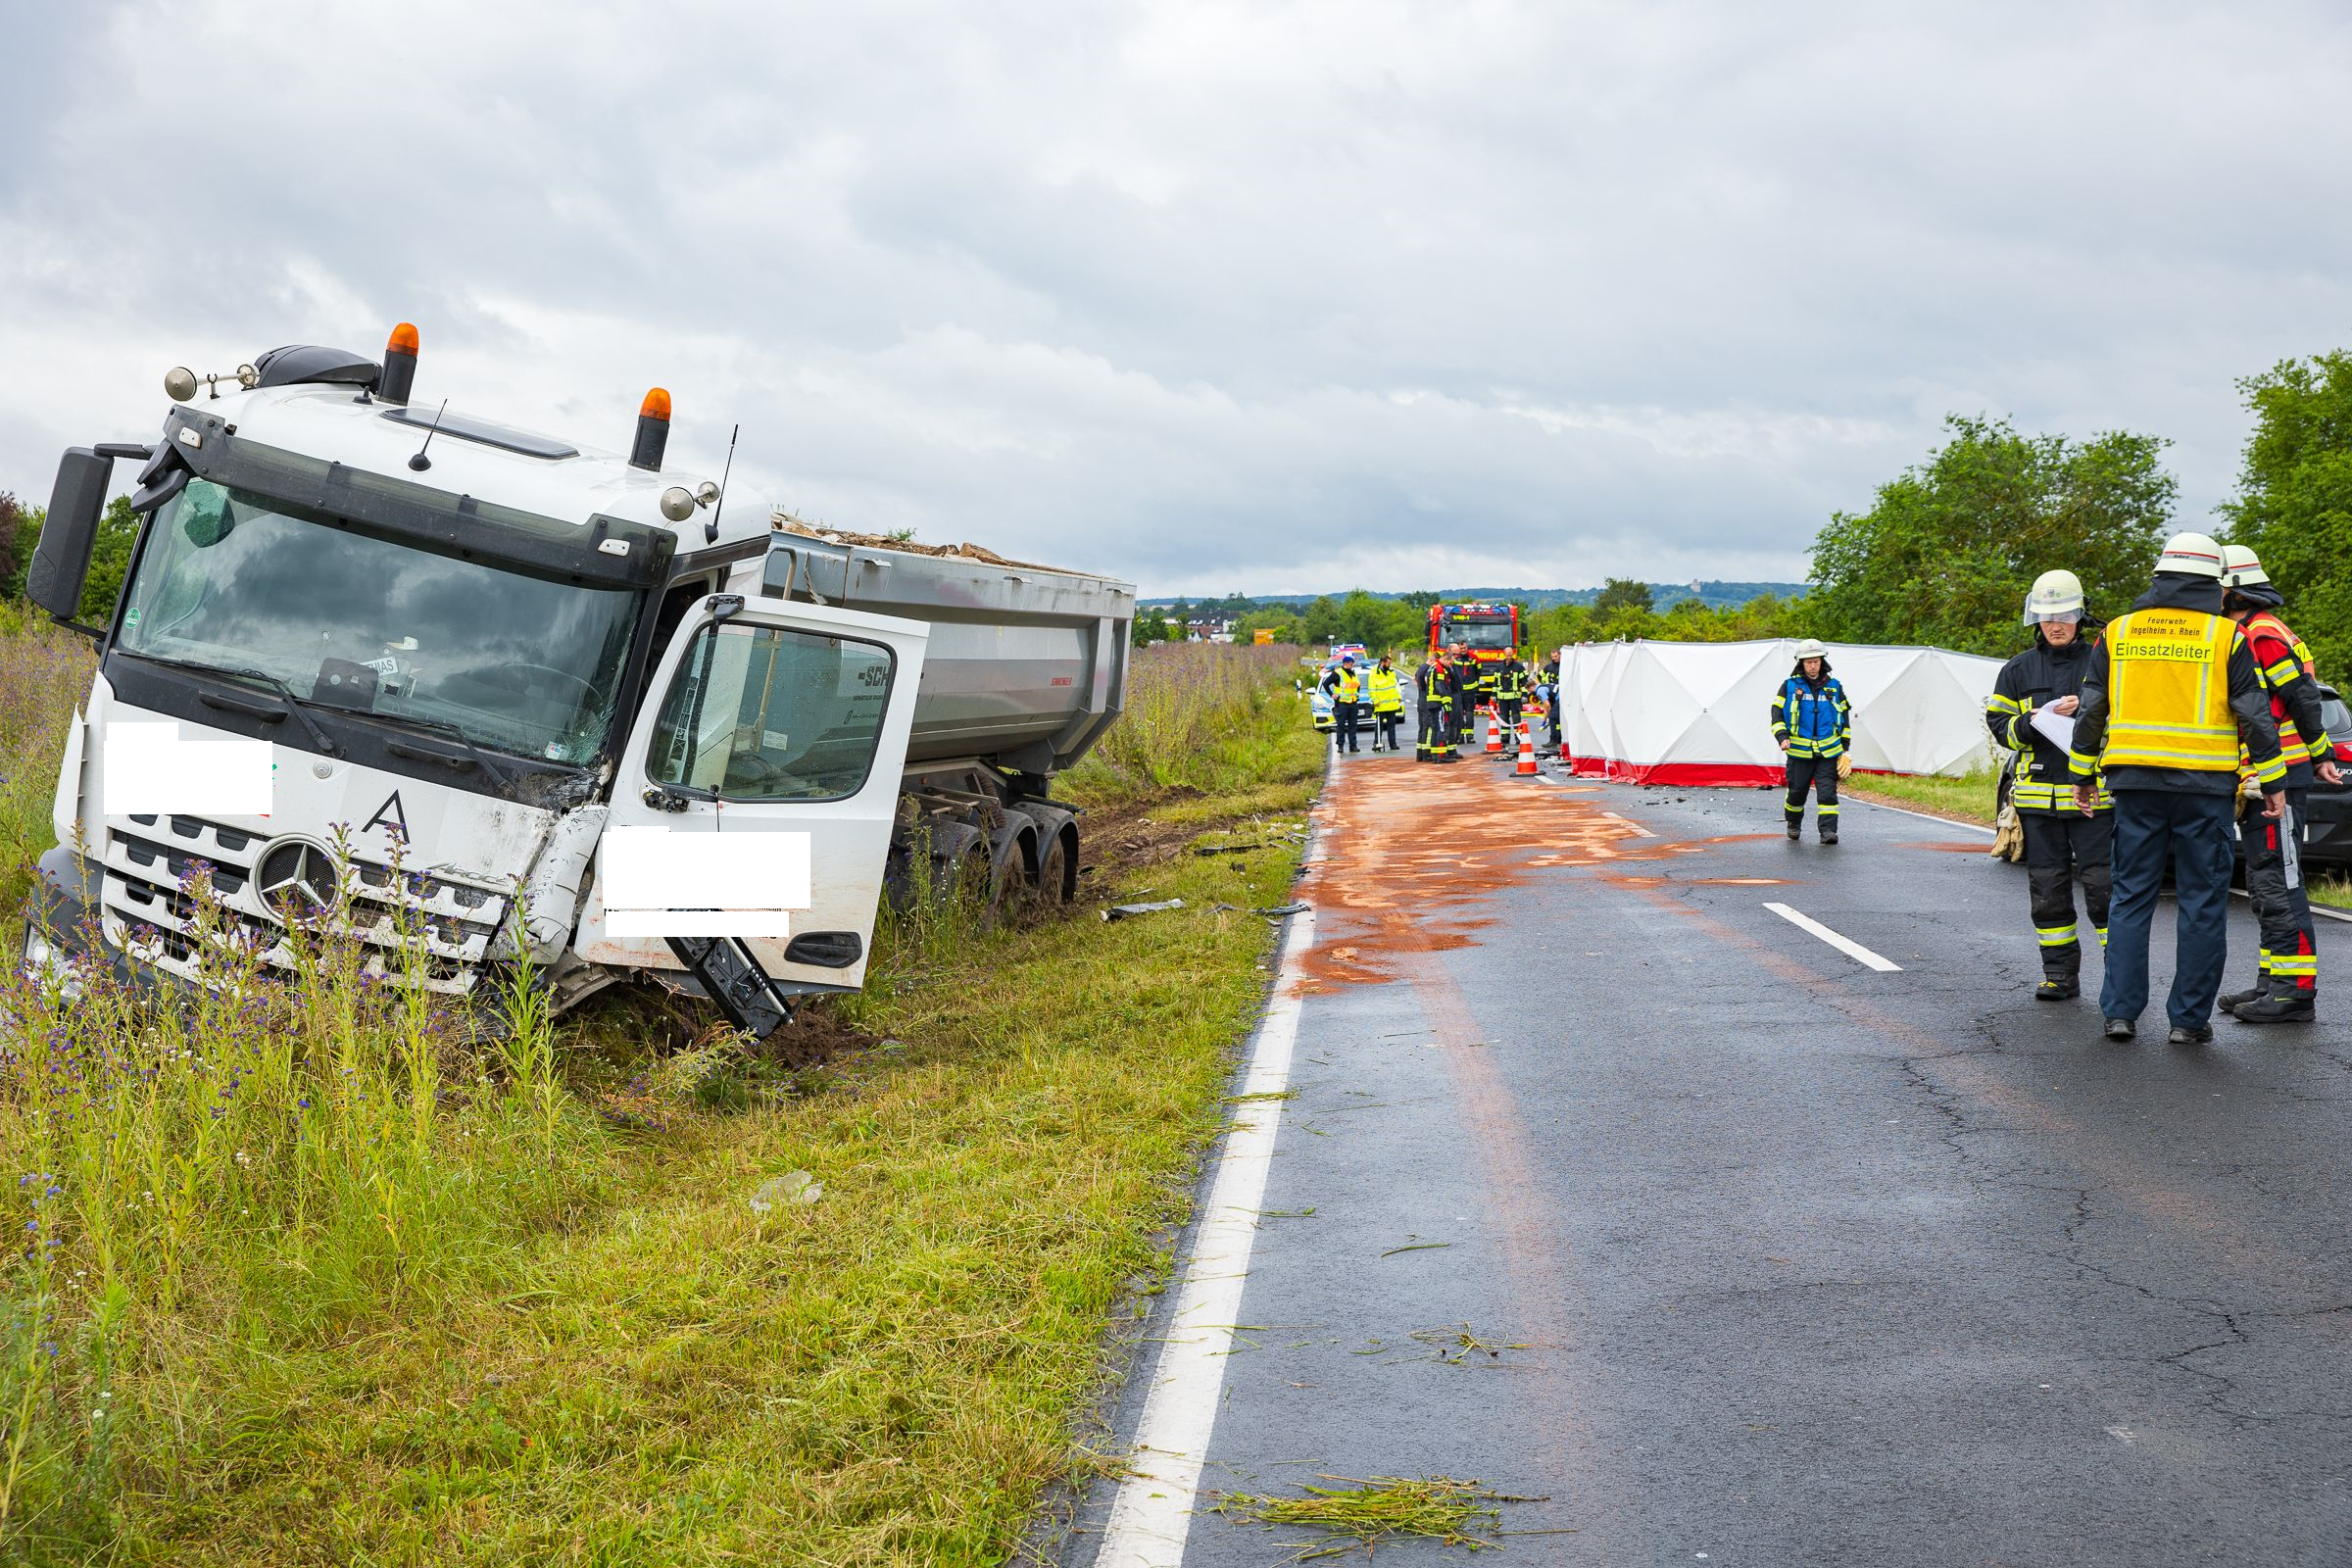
(146, 863)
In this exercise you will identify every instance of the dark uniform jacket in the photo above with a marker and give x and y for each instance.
(2034, 679)
(1430, 687)
(2249, 702)
(2279, 655)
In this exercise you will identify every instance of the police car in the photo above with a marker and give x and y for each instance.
(1318, 700)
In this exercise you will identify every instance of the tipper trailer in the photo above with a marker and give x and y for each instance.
(530, 691)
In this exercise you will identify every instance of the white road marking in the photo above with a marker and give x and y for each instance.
(1154, 1509)
(1846, 945)
(1639, 831)
(1925, 816)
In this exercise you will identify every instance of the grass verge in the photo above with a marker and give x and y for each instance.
(318, 1281)
(1967, 799)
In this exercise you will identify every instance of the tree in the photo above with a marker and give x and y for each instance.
(16, 550)
(1554, 628)
(110, 560)
(2294, 495)
(1621, 593)
(1946, 555)
(1321, 620)
(1282, 622)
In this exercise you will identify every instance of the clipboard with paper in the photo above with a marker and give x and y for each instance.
(2058, 728)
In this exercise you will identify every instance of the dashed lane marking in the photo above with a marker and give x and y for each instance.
(1846, 945)
(1152, 1511)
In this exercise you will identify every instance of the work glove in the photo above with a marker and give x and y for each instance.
(2009, 836)
(1845, 764)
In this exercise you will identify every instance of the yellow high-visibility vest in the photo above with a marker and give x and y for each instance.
(2168, 691)
(1349, 687)
(1386, 697)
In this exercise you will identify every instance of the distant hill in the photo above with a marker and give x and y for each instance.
(1714, 595)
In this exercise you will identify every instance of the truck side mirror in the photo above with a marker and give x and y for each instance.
(60, 564)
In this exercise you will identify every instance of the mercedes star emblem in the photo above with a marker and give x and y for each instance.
(295, 873)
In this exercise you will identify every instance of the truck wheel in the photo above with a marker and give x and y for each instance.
(1053, 871)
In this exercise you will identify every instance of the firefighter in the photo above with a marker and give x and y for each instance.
(1345, 689)
(1547, 687)
(1464, 671)
(1388, 706)
(2062, 844)
(2170, 696)
(2287, 982)
(1433, 689)
(1813, 724)
(1510, 695)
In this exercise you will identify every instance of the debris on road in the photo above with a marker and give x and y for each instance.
(1128, 911)
(1457, 1345)
(1436, 1509)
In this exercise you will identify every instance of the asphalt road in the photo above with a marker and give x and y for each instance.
(1607, 1185)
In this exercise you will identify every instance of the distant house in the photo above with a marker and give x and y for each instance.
(1208, 629)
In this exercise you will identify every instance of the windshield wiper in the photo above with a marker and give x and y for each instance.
(294, 705)
(442, 726)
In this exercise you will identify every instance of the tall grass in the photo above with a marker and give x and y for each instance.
(44, 673)
(284, 1155)
(1183, 699)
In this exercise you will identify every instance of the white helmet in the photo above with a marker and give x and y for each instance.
(2191, 554)
(2055, 595)
(2241, 569)
(1811, 647)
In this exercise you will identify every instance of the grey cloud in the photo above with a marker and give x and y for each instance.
(1210, 295)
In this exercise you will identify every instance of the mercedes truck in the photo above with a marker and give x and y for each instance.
(539, 700)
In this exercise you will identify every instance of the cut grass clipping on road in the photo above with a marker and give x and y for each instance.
(1385, 1508)
(313, 1278)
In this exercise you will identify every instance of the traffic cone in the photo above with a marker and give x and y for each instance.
(1527, 752)
(1494, 735)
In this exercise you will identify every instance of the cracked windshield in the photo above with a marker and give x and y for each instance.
(518, 663)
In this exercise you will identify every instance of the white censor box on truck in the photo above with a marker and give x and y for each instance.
(151, 768)
(666, 882)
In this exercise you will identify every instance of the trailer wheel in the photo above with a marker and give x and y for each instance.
(1045, 893)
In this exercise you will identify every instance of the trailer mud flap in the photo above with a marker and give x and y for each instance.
(736, 982)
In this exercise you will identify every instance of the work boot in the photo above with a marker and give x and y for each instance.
(1796, 830)
(1828, 835)
(2238, 999)
(2057, 988)
(2121, 1029)
(2183, 1035)
(2279, 1004)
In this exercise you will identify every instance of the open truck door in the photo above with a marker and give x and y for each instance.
(753, 809)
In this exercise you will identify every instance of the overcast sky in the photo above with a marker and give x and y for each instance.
(1212, 296)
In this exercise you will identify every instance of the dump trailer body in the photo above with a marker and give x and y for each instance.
(1027, 666)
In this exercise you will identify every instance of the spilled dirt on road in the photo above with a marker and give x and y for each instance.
(1409, 848)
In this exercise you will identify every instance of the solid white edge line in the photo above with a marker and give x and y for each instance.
(1846, 945)
(1924, 816)
(1153, 1512)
